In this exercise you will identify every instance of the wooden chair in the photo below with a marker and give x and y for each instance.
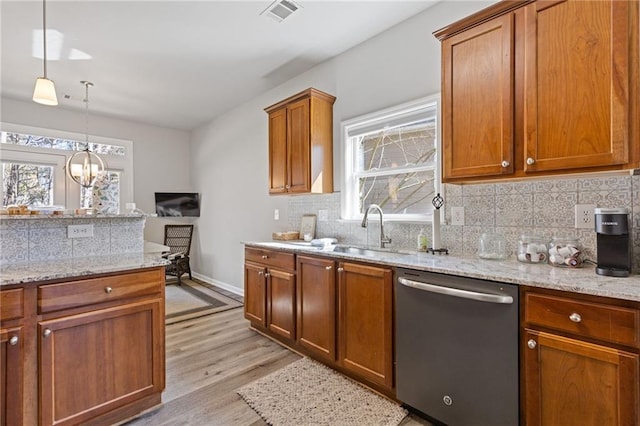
(178, 238)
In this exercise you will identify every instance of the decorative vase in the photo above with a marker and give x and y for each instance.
(105, 194)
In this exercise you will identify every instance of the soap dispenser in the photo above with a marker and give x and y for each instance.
(422, 241)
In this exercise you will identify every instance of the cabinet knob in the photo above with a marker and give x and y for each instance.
(532, 344)
(108, 290)
(265, 257)
(267, 275)
(505, 164)
(340, 269)
(13, 341)
(288, 186)
(530, 161)
(46, 333)
(575, 317)
(260, 273)
(328, 268)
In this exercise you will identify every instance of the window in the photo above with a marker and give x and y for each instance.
(391, 159)
(33, 161)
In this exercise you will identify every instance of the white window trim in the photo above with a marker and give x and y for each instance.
(348, 176)
(121, 164)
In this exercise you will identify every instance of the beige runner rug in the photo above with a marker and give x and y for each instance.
(309, 393)
(194, 299)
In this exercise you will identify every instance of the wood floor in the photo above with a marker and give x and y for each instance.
(208, 358)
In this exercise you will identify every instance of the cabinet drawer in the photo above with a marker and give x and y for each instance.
(72, 294)
(11, 305)
(270, 258)
(610, 323)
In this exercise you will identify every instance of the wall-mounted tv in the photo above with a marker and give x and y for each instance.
(177, 204)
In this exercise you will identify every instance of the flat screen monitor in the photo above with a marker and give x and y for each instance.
(177, 204)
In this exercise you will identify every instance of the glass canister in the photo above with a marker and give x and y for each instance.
(492, 246)
(566, 251)
(532, 249)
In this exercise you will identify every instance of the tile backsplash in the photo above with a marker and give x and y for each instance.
(542, 207)
(39, 239)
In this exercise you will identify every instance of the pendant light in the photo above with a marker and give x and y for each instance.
(45, 91)
(84, 166)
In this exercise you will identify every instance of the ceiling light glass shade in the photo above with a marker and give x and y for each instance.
(45, 92)
(83, 167)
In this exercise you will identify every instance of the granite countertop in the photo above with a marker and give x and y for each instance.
(579, 280)
(26, 272)
(5, 217)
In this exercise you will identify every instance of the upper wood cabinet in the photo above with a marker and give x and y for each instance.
(535, 88)
(301, 143)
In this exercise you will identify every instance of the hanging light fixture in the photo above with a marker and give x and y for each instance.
(45, 91)
(84, 166)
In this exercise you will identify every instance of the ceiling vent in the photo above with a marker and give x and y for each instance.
(279, 10)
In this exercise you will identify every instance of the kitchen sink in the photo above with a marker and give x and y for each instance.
(368, 252)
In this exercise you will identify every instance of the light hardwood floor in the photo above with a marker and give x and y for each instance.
(208, 358)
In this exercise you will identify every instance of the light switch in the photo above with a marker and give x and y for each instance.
(323, 215)
(276, 214)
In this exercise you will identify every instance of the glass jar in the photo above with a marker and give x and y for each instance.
(566, 251)
(532, 249)
(492, 246)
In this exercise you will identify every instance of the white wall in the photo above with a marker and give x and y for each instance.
(161, 156)
(229, 155)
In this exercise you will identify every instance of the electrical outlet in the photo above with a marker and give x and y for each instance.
(584, 216)
(80, 231)
(323, 215)
(276, 214)
(457, 216)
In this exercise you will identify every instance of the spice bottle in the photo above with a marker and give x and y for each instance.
(422, 241)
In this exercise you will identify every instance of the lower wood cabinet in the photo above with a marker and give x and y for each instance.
(270, 291)
(580, 360)
(316, 316)
(11, 379)
(365, 321)
(343, 312)
(94, 362)
(572, 382)
(70, 354)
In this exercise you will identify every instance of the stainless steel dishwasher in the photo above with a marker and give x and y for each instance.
(457, 348)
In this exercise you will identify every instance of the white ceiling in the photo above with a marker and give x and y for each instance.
(179, 64)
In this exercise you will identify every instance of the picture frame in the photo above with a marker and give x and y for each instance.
(308, 226)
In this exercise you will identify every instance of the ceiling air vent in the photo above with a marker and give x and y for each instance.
(279, 10)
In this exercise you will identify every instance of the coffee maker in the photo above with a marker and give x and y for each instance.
(614, 244)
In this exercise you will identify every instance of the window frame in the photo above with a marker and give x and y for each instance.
(38, 155)
(349, 196)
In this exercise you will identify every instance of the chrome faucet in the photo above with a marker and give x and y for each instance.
(383, 238)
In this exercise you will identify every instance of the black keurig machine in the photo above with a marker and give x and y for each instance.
(614, 244)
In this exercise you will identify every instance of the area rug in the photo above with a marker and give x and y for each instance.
(194, 299)
(309, 393)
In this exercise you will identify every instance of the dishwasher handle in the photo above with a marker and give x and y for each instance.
(456, 292)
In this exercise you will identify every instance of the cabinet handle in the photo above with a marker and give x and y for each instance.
(46, 333)
(340, 269)
(13, 341)
(108, 290)
(575, 317)
(532, 344)
(530, 161)
(265, 257)
(505, 164)
(328, 268)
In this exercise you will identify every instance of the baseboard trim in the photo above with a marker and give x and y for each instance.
(233, 289)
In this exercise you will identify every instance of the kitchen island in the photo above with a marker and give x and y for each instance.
(83, 338)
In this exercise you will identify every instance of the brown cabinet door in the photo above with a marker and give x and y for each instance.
(365, 322)
(11, 386)
(577, 84)
(298, 117)
(477, 101)
(278, 173)
(255, 294)
(316, 306)
(571, 382)
(94, 362)
(281, 300)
